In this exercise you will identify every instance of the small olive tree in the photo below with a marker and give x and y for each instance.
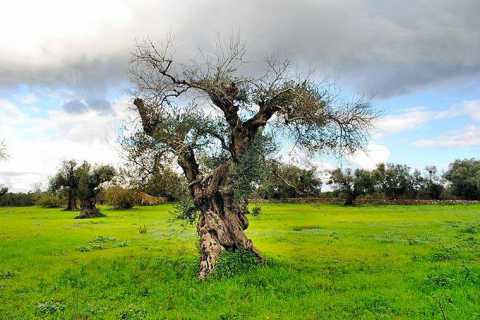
(90, 179)
(352, 184)
(210, 108)
(66, 181)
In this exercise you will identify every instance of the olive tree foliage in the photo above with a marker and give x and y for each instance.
(66, 181)
(211, 109)
(352, 184)
(394, 180)
(464, 178)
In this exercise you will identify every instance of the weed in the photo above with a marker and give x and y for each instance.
(102, 239)
(440, 280)
(256, 211)
(306, 228)
(132, 313)
(50, 307)
(443, 255)
(413, 242)
(121, 244)
(142, 229)
(6, 275)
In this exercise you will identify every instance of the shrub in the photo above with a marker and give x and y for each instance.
(50, 200)
(256, 211)
(121, 198)
(186, 210)
(50, 307)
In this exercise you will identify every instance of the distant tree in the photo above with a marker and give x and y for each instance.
(394, 180)
(433, 184)
(352, 184)
(213, 108)
(288, 181)
(166, 183)
(11, 199)
(66, 181)
(464, 178)
(3, 190)
(90, 178)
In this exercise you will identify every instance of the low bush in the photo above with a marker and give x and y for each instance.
(121, 198)
(186, 210)
(50, 200)
(256, 211)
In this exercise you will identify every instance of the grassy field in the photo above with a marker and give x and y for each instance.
(324, 262)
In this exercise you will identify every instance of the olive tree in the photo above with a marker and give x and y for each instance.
(90, 180)
(288, 181)
(352, 184)
(212, 107)
(66, 180)
(464, 178)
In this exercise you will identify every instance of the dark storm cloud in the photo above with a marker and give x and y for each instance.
(87, 76)
(378, 47)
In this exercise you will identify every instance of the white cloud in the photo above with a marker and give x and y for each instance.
(370, 157)
(37, 145)
(413, 118)
(407, 120)
(466, 137)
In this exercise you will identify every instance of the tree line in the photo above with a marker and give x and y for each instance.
(81, 185)
(394, 181)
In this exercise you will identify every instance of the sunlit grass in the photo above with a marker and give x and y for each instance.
(324, 262)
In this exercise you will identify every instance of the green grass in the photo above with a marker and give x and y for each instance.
(324, 262)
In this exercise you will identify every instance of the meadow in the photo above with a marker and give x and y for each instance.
(323, 262)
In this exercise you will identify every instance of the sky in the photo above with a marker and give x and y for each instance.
(64, 89)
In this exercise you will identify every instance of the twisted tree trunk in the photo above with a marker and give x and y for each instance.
(222, 220)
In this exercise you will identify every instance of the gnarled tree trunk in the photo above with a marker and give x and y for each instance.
(222, 221)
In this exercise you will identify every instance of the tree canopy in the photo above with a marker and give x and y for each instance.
(464, 177)
(67, 180)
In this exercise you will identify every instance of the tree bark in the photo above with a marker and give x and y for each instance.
(72, 203)
(222, 220)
